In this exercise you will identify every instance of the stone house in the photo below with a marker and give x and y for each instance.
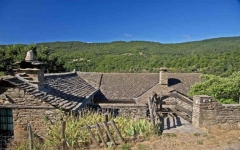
(32, 96)
(128, 93)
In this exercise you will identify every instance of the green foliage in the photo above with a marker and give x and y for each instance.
(126, 146)
(15, 53)
(77, 138)
(224, 89)
(1, 73)
(215, 56)
(11, 54)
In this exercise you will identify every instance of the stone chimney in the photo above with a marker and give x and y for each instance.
(31, 70)
(163, 77)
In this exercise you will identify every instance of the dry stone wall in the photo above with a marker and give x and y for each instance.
(207, 111)
(129, 110)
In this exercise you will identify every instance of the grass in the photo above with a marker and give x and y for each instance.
(215, 138)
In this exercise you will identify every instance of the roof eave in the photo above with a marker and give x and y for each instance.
(84, 102)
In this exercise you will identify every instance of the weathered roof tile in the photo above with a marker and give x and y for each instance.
(128, 86)
(65, 90)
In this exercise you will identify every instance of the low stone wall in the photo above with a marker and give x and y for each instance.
(207, 111)
(128, 110)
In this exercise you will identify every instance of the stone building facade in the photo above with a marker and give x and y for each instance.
(34, 97)
(24, 108)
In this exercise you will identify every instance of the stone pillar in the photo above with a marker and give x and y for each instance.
(200, 103)
(163, 77)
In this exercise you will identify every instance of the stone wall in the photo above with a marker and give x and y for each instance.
(27, 109)
(207, 111)
(130, 110)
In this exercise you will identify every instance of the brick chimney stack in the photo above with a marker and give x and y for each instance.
(31, 71)
(163, 76)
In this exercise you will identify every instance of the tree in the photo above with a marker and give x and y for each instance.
(224, 89)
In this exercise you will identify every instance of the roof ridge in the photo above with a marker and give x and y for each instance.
(118, 72)
(145, 91)
(184, 73)
(57, 74)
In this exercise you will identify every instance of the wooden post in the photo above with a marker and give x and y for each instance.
(106, 117)
(151, 112)
(30, 136)
(63, 127)
(92, 136)
(106, 120)
(117, 131)
(101, 135)
(108, 133)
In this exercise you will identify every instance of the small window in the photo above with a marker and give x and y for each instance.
(6, 120)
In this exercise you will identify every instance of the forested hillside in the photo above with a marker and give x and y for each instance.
(218, 56)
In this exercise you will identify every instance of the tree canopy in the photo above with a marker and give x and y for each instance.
(214, 56)
(219, 58)
(224, 89)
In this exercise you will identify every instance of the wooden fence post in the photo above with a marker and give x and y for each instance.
(117, 131)
(109, 134)
(106, 120)
(106, 117)
(101, 135)
(92, 136)
(151, 112)
(30, 136)
(63, 127)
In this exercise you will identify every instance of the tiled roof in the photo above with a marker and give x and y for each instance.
(67, 91)
(120, 86)
(123, 86)
(92, 78)
(182, 82)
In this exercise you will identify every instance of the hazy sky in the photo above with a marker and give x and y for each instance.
(165, 21)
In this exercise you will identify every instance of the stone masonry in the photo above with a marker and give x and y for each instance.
(26, 109)
(128, 110)
(207, 111)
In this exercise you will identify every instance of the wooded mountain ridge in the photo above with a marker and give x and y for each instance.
(219, 56)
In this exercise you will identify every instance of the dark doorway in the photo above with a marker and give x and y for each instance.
(6, 127)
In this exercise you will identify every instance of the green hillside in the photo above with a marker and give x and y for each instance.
(218, 56)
